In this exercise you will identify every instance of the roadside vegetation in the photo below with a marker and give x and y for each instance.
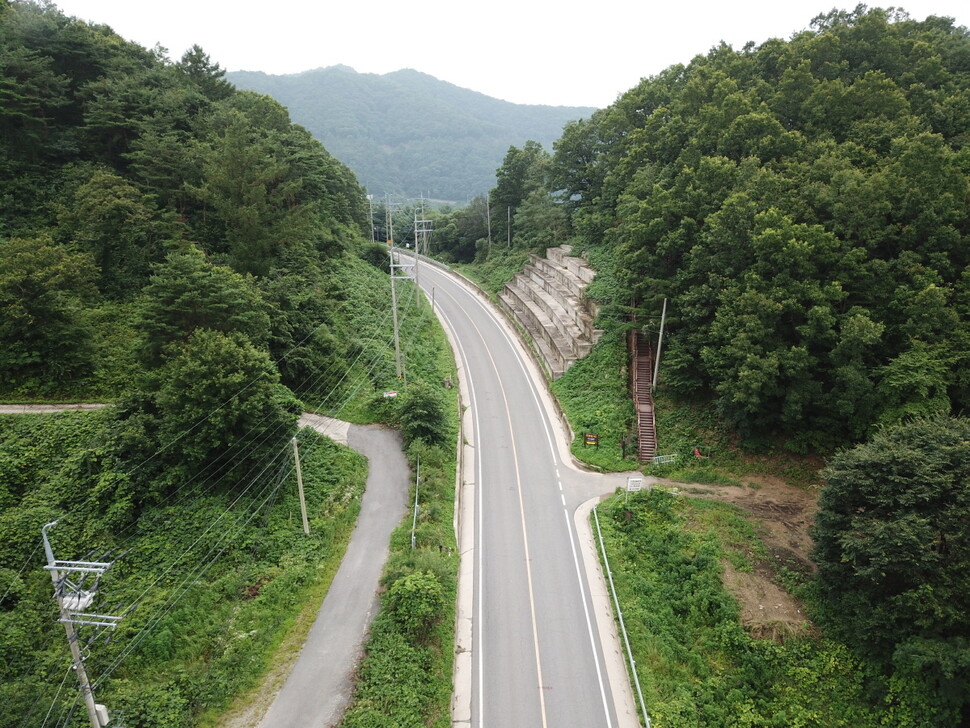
(405, 678)
(697, 664)
(181, 251)
(209, 579)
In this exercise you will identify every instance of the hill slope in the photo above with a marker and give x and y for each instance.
(407, 132)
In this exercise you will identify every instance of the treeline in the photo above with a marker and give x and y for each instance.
(519, 213)
(803, 206)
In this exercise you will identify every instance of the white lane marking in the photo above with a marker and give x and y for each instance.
(569, 527)
(525, 535)
(479, 530)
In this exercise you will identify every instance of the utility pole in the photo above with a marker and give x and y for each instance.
(399, 369)
(414, 522)
(390, 251)
(660, 340)
(72, 601)
(508, 225)
(422, 228)
(370, 205)
(395, 266)
(488, 220)
(299, 486)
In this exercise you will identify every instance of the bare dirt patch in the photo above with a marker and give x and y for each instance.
(767, 610)
(783, 515)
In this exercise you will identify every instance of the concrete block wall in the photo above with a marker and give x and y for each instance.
(548, 300)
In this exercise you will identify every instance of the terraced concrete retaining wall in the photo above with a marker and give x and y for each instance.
(548, 299)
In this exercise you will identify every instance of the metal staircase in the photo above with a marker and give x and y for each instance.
(641, 368)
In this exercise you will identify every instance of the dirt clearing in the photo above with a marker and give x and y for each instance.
(782, 515)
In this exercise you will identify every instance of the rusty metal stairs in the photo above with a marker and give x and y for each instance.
(641, 390)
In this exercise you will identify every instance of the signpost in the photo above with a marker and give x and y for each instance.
(633, 485)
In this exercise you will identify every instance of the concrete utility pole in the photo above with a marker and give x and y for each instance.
(370, 205)
(398, 365)
(390, 250)
(422, 229)
(72, 601)
(660, 341)
(395, 267)
(299, 486)
(414, 522)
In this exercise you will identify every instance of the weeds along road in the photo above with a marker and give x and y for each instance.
(536, 657)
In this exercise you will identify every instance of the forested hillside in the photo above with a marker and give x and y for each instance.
(182, 251)
(121, 170)
(407, 133)
(803, 206)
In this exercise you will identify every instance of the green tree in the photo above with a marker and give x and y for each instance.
(45, 340)
(523, 172)
(198, 68)
(415, 601)
(110, 218)
(540, 222)
(304, 337)
(422, 414)
(186, 293)
(892, 543)
(215, 406)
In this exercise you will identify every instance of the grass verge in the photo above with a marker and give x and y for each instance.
(697, 665)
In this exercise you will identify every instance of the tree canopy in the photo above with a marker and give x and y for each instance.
(803, 206)
(892, 542)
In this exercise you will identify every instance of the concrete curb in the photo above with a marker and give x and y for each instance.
(599, 593)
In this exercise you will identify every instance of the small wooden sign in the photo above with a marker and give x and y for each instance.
(592, 438)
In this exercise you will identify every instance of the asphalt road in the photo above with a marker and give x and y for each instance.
(536, 659)
(320, 686)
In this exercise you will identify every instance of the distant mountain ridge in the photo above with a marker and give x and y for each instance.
(408, 133)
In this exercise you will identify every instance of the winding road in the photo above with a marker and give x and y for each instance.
(537, 646)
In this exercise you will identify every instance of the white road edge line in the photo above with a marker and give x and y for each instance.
(478, 531)
(525, 532)
(516, 349)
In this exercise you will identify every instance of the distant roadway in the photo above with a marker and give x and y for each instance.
(534, 656)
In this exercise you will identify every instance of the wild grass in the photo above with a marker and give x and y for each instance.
(696, 663)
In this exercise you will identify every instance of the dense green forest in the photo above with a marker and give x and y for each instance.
(408, 133)
(180, 250)
(803, 205)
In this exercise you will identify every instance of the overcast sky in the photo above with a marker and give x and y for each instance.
(572, 53)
